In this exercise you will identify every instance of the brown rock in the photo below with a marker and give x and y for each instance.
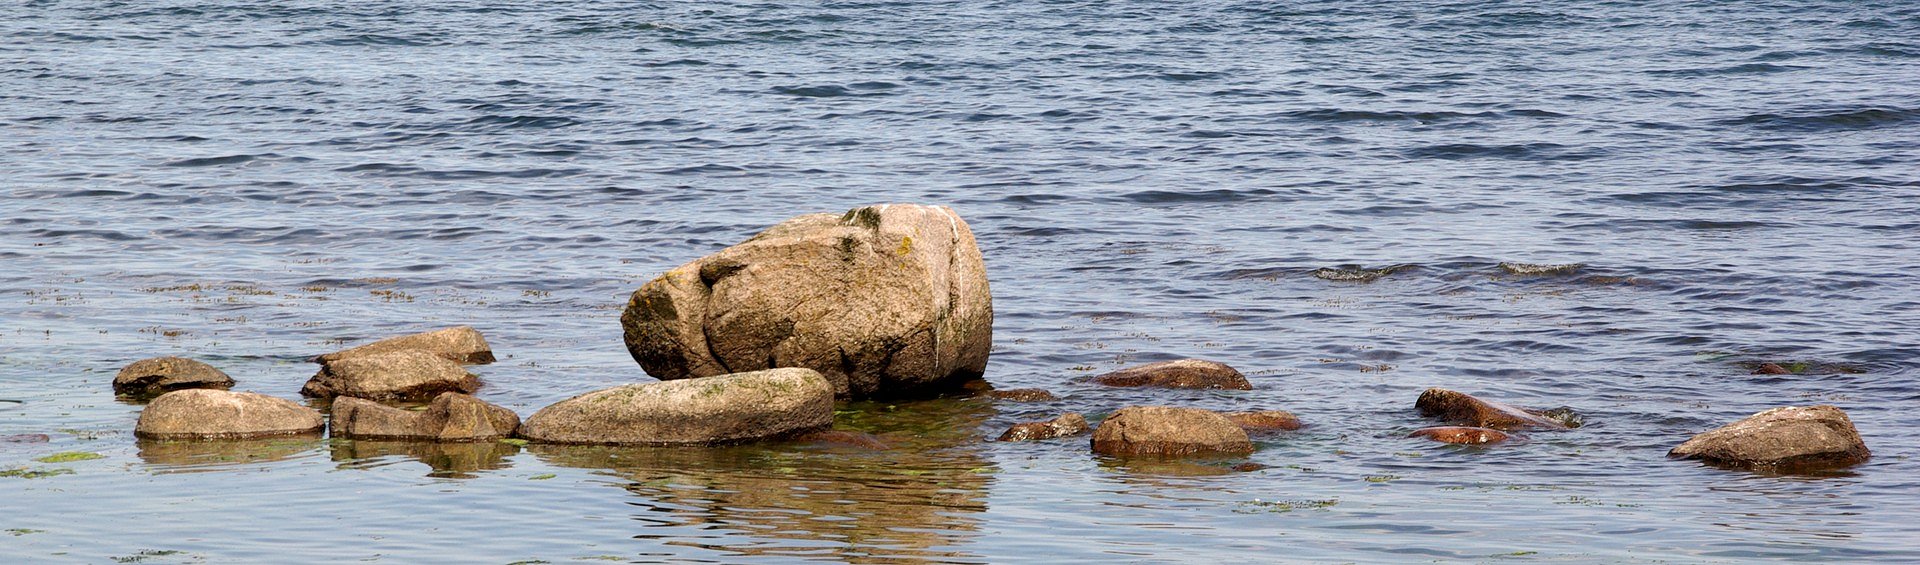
(1169, 432)
(1789, 439)
(1464, 409)
(842, 439)
(886, 300)
(165, 374)
(1265, 420)
(218, 414)
(1462, 435)
(1771, 369)
(1022, 395)
(451, 417)
(408, 374)
(460, 344)
(26, 438)
(1069, 424)
(705, 411)
(1185, 373)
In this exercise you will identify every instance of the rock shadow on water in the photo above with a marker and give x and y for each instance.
(445, 460)
(191, 456)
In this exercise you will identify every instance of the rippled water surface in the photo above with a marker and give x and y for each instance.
(252, 183)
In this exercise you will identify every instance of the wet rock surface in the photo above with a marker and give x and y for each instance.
(1465, 409)
(165, 374)
(1069, 424)
(220, 414)
(1022, 395)
(1164, 431)
(408, 374)
(883, 301)
(1265, 420)
(1184, 373)
(842, 438)
(718, 410)
(451, 417)
(460, 344)
(1464, 435)
(1788, 439)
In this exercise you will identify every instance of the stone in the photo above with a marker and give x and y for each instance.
(1165, 431)
(460, 344)
(407, 374)
(1069, 424)
(201, 413)
(1265, 420)
(1465, 409)
(1788, 439)
(883, 301)
(1771, 369)
(1022, 395)
(165, 374)
(720, 410)
(1461, 434)
(451, 417)
(1184, 373)
(26, 438)
(839, 438)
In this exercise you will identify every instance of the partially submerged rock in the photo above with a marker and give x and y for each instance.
(1069, 424)
(842, 438)
(1788, 439)
(26, 438)
(1165, 431)
(1184, 373)
(1466, 435)
(407, 374)
(886, 300)
(1354, 273)
(1771, 369)
(718, 410)
(1535, 270)
(1022, 395)
(1265, 420)
(451, 417)
(460, 344)
(166, 374)
(219, 414)
(1465, 409)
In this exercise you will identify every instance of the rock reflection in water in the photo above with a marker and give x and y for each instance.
(447, 460)
(917, 500)
(186, 456)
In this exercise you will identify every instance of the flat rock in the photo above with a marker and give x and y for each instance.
(883, 301)
(1466, 435)
(407, 374)
(451, 417)
(218, 414)
(1265, 420)
(1165, 431)
(1464, 409)
(460, 344)
(1022, 395)
(718, 410)
(1788, 439)
(165, 374)
(1184, 373)
(1069, 424)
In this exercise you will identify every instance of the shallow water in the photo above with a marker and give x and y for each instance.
(252, 184)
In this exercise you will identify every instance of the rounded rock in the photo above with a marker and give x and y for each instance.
(460, 344)
(718, 410)
(219, 414)
(1465, 435)
(451, 417)
(1265, 420)
(408, 374)
(1467, 410)
(1184, 373)
(1164, 431)
(1788, 439)
(166, 374)
(1069, 424)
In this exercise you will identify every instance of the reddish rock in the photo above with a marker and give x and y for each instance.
(1265, 420)
(1789, 439)
(1462, 435)
(1184, 373)
(1464, 409)
(1249, 467)
(1022, 395)
(1771, 369)
(1169, 432)
(838, 438)
(1069, 424)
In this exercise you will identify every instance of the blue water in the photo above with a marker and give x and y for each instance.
(252, 183)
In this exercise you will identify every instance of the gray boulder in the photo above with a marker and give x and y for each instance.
(1165, 431)
(220, 414)
(1788, 439)
(460, 344)
(720, 410)
(451, 417)
(165, 374)
(408, 374)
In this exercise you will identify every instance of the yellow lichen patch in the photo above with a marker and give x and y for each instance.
(906, 246)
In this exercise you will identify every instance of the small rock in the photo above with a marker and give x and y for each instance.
(461, 344)
(1464, 409)
(842, 438)
(397, 375)
(1771, 369)
(218, 414)
(1789, 439)
(1530, 269)
(1355, 273)
(1169, 432)
(1069, 424)
(165, 374)
(1022, 395)
(1184, 373)
(1248, 467)
(451, 417)
(26, 438)
(1265, 420)
(726, 409)
(1462, 435)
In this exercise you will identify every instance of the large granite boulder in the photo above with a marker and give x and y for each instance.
(460, 344)
(1789, 439)
(1069, 424)
(720, 410)
(1164, 431)
(451, 417)
(886, 300)
(407, 374)
(1466, 410)
(219, 414)
(166, 374)
(1184, 373)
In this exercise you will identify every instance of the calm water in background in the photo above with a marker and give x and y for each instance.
(252, 183)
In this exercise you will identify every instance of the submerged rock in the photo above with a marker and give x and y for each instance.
(888, 300)
(1184, 373)
(1165, 431)
(460, 344)
(1350, 273)
(1461, 435)
(1789, 439)
(1022, 395)
(451, 417)
(407, 374)
(1530, 269)
(1069, 424)
(1265, 420)
(218, 414)
(725, 409)
(165, 374)
(1771, 369)
(841, 438)
(1465, 409)
(26, 438)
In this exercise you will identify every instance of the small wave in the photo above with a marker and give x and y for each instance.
(1851, 119)
(1217, 195)
(1353, 273)
(1531, 269)
(217, 161)
(524, 122)
(835, 90)
(1522, 152)
(1338, 115)
(1744, 69)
